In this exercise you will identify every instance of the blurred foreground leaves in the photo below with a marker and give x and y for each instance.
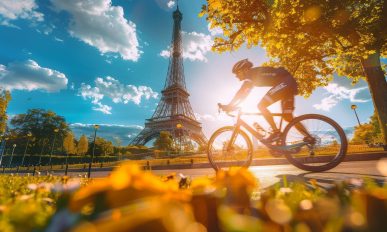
(133, 200)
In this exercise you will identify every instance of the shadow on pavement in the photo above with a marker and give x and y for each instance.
(327, 180)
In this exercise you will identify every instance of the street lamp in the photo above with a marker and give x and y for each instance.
(10, 159)
(4, 151)
(52, 147)
(92, 155)
(179, 127)
(354, 110)
(25, 150)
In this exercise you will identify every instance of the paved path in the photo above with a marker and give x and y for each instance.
(270, 174)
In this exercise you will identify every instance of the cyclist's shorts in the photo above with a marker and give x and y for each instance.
(285, 91)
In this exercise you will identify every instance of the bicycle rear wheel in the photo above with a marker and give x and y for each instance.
(223, 155)
(326, 147)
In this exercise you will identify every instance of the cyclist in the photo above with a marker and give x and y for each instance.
(284, 88)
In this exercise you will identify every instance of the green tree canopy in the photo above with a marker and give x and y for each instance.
(5, 97)
(164, 142)
(102, 147)
(313, 39)
(41, 124)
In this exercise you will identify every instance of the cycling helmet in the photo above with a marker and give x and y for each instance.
(242, 65)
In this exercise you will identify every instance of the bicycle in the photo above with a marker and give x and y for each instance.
(323, 149)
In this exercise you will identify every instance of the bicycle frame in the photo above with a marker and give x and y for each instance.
(241, 123)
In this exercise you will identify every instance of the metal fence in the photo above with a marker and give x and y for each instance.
(12, 164)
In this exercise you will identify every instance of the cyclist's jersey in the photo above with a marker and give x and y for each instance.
(268, 76)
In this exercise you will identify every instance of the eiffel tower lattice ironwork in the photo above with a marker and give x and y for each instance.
(174, 112)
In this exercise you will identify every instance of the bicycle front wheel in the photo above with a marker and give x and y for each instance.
(325, 142)
(225, 150)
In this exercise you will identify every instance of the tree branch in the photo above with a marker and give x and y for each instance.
(301, 61)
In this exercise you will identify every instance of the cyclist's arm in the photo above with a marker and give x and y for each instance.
(242, 93)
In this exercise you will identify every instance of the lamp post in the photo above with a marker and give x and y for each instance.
(92, 155)
(354, 110)
(4, 151)
(52, 147)
(179, 127)
(41, 152)
(10, 159)
(25, 150)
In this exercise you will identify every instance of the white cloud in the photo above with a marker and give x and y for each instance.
(338, 93)
(171, 3)
(107, 131)
(116, 91)
(209, 118)
(344, 93)
(45, 29)
(58, 39)
(165, 53)
(195, 46)
(21, 9)
(205, 117)
(327, 103)
(103, 108)
(77, 124)
(211, 122)
(101, 25)
(215, 31)
(30, 76)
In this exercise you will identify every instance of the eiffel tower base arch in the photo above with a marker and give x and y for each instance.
(190, 130)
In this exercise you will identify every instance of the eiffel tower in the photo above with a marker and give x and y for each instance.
(174, 112)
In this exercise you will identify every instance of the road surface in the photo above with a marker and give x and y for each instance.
(269, 175)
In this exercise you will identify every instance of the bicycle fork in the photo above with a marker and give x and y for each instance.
(232, 139)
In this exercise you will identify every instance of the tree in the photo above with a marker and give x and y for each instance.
(69, 144)
(5, 97)
(117, 141)
(41, 124)
(202, 148)
(137, 149)
(363, 134)
(83, 145)
(164, 142)
(102, 147)
(189, 146)
(106, 146)
(312, 39)
(375, 124)
(368, 133)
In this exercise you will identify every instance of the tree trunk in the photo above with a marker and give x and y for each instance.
(378, 87)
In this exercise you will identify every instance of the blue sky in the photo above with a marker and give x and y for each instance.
(105, 62)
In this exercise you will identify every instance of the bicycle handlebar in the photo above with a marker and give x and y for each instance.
(227, 112)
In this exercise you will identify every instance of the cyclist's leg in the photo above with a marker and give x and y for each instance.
(273, 95)
(287, 105)
(262, 106)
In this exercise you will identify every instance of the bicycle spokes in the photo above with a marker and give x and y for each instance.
(228, 147)
(321, 142)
